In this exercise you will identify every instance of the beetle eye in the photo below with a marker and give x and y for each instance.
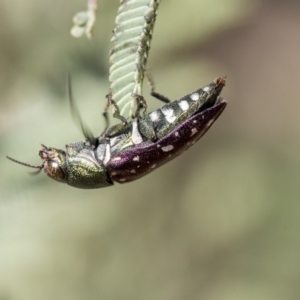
(53, 170)
(54, 163)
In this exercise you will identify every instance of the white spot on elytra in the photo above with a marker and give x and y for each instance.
(133, 171)
(195, 121)
(122, 179)
(167, 148)
(169, 114)
(158, 146)
(138, 166)
(136, 158)
(209, 123)
(176, 133)
(116, 158)
(154, 116)
(183, 105)
(195, 97)
(206, 88)
(113, 173)
(153, 166)
(194, 131)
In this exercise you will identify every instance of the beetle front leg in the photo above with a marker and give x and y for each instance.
(116, 113)
(110, 131)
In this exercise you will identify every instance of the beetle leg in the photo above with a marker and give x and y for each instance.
(151, 84)
(108, 131)
(140, 104)
(116, 113)
(105, 115)
(160, 97)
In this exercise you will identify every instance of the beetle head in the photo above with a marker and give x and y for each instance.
(77, 166)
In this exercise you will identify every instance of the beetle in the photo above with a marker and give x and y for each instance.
(128, 152)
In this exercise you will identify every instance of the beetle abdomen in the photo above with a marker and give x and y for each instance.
(136, 162)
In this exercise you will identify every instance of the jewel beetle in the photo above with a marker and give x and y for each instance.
(126, 153)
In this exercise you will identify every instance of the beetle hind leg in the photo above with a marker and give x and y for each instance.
(153, 93)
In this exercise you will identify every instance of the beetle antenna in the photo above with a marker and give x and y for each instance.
(40, 168)
(76, 115)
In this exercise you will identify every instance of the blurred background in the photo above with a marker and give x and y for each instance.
(221, 222)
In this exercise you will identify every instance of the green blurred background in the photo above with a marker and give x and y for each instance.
(221, 222)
